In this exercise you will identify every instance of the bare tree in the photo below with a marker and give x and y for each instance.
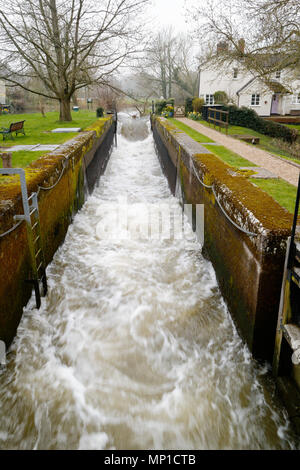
(157, 65)
(270, 42)
(170, 64)
(66, 44)
(185, 67)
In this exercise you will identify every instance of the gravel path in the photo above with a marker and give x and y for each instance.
(260, 157)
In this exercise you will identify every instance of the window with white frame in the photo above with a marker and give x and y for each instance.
(296, 98)
(209, 99)
(235, 73)
(255, 99)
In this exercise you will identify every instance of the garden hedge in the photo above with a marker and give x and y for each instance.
(189, 105)
(246, 117)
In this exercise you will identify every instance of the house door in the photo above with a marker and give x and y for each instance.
(275, 104)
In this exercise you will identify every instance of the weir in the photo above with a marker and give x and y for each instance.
(134, 347)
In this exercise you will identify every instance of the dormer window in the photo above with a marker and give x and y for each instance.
(278, 74)
(235, 73)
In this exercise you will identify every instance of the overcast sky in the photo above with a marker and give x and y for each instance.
(170, 12)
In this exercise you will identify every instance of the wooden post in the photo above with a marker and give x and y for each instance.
(6, 160)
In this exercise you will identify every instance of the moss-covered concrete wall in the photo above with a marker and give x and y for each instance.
(56, 206)
(249, 269)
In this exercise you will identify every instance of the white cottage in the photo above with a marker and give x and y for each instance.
(279, 96)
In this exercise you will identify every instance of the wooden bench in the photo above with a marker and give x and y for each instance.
(250, 139)
(17, 127)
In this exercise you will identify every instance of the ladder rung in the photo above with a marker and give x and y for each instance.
(39, 267)
(37, 239)
(37, 254)
(34, 225)
(30, 197)
(33, 211)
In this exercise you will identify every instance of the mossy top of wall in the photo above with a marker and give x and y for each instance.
(249, 206)
(168, 126)
(45, 171)
(100, 126)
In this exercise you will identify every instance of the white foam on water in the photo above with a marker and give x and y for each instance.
(133, 348)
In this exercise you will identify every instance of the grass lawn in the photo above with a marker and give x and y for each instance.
(191, 132)
(38, 131)
(280, 190)
(293, 126)
(225, 154)
(266, 142)
(233, 159)
(24, 158)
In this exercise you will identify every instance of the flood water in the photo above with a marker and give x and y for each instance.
(133, 347)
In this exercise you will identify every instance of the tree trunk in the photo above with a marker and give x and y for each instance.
(65, 110)
(74, 99)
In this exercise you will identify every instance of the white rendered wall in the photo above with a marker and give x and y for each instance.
(264, 109)
(213, 80)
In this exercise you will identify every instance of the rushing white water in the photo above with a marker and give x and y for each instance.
(133, 347)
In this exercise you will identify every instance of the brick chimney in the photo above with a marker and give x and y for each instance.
(222, 47)
(242, 44)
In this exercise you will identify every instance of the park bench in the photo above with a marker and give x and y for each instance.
(17, 127)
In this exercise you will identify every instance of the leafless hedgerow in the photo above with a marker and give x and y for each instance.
(291, 149)
(66, 44)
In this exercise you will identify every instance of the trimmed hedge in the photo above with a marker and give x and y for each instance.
(246, 117)
(221, 97)
(160, 105)
(189, 105)
(100, 112)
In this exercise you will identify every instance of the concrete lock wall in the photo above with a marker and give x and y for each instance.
(80, 161)
(249, 269)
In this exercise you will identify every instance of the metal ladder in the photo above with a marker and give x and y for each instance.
(32, 219)
(286, 328)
